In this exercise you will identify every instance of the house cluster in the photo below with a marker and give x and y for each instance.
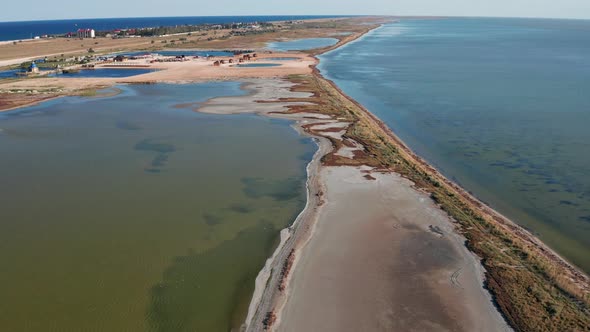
(243, 58)
(120, 33)
(151, 57)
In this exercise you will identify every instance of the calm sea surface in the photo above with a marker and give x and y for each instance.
(501, 106)
(301, 44)
(134, 213)
(29, 29)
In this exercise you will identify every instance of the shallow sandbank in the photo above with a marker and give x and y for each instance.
(383, 257)
(369, 252)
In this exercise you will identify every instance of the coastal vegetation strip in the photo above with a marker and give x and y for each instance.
(534, 288)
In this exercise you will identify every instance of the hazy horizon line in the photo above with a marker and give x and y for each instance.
(295, 15)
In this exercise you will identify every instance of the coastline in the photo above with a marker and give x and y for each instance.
(274, 283)
(471, 197)
(268, 301)
(527, 235)
(573, 278)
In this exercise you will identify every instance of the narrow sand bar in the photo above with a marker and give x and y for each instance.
(372, 252)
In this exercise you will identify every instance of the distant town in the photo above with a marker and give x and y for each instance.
(237, 28)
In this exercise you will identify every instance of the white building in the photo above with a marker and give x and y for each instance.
(86, 33)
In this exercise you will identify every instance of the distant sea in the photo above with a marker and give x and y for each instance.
(501, 106)
(29, 29)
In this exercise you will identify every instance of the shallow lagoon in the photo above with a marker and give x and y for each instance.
(302, 44)
(106, 72)
(499, 105)
(258, 65)
(14, 73)
(134, 213)
(11, 73)
(281, 59)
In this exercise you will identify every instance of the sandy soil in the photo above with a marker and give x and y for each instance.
(11, 54)
(18, 93)
(31, 49)
(178, 72)
(371, 255)
(382, 257)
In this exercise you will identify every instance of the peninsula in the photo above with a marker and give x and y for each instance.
(385, 241)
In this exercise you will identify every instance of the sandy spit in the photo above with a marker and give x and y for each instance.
(373, 255)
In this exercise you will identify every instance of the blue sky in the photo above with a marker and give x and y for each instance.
(60, 9)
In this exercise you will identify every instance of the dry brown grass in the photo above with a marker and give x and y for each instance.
(219, 39)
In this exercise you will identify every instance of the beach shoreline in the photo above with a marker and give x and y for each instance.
(274, 282)
(526, 234)
(574, 275)
(279, 94)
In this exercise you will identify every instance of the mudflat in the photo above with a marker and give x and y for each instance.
(383, 257)
(372, 252)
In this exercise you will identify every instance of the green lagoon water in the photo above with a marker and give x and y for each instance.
(134, 213)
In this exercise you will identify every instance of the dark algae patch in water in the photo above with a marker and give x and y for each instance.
(134, 217)
(173, 307)
(280, 190)
(163, 152)
(126, 125)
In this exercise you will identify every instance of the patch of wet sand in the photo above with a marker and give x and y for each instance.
(374, 264)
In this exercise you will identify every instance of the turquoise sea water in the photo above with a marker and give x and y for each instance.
(502, 106)
(302, 44)
(134, 213)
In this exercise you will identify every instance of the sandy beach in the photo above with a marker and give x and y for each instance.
(383, 258)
